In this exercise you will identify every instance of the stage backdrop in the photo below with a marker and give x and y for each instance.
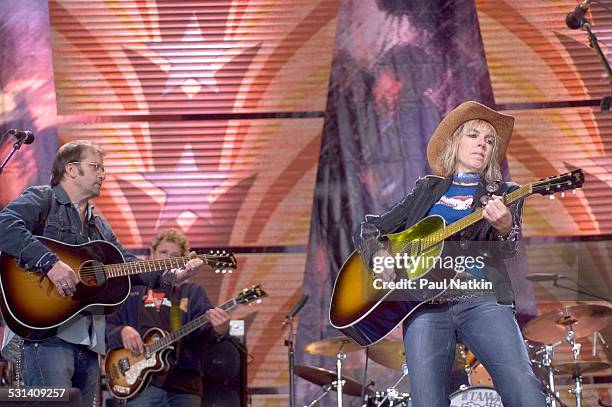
(398, 67)
(211, 114)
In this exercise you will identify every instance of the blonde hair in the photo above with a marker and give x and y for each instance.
(448, 158)
(174, 236)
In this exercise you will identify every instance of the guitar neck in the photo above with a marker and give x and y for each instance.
(148, 266)
(463, 223)
(187, 328)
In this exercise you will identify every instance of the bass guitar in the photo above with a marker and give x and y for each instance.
(32, 307)
(366, 313)
(129, 374)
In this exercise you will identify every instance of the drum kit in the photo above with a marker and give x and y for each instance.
(553, 329)
(565, 326)
(387, 353)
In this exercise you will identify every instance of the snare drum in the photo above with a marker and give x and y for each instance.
(476, 396)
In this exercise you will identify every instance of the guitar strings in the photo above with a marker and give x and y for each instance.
(140, 267)
(435, 237)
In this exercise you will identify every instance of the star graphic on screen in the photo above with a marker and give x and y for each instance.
(192, 64)
(189, 67)
(192, 58)
(198, 201)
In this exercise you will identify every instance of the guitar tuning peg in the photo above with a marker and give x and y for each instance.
(551, 197)
(258, 301)
(574, 191)
(217, 271)
(562, 194)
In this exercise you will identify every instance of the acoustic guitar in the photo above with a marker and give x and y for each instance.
(32, 307)
(366, 313)
(129, 374)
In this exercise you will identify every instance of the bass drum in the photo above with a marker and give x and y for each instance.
(476, 396)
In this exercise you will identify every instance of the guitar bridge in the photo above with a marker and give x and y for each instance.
(124, 365)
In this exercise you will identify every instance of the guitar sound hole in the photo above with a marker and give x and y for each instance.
(91, 273)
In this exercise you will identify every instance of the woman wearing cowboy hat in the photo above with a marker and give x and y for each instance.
(464, 152)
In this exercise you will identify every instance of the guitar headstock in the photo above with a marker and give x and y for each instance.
(222, 261)
(248, 295)
(559, 183)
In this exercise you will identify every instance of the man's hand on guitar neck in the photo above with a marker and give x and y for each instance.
(220, 320)
(388, 273)
(63, 278)
(192, 267)
(131, 340)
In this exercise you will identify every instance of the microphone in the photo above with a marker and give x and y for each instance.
(22, 136)
(543, 277)
(575, 19)
(297, 307)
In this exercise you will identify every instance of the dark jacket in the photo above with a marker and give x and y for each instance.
(188, 357)
(47, 211)
(482, 236)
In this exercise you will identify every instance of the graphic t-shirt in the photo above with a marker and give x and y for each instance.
(456, 203)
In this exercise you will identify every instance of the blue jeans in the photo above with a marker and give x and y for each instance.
(154, 396)
(57, 363)
(489, 330)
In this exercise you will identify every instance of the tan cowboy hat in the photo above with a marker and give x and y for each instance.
(466, 111)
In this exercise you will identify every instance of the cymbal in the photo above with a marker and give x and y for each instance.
(552, 326)
(580, 367)
(331, 346)
(388, 353)
(320, 376)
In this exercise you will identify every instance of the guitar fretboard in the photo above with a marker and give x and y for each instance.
(187, 328)
(149, 266)
(436, 237)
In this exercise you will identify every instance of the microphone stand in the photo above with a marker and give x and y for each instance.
(578, 290)
(16, 147)
(289, 343)
(594, 42)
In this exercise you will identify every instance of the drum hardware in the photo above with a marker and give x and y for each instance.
(328, 347)
(392, 395)
(597, 337)
(553, 326)
(576, 321)
(328, 380)
(571, 338)
(339, 382)
(326, 389)
(364, 378)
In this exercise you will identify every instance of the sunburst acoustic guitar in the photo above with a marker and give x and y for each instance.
(366, 313)
(32, 307)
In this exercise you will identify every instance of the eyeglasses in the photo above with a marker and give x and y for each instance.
(96, 166)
